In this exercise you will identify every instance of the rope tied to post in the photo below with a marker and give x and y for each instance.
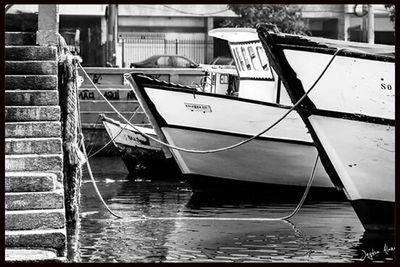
(72, 82)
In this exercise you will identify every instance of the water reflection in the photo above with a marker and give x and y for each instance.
(320, 232)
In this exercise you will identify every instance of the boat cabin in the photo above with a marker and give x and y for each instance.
(255, 79)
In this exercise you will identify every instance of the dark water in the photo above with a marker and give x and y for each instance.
(175, 225)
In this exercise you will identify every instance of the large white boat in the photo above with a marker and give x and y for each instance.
(350, 113)
(188, 118)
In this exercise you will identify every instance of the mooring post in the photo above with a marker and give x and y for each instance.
(48, 25)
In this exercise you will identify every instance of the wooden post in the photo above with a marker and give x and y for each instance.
(48, 25)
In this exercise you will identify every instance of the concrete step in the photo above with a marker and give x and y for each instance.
(101, 105)
(31, 82)
(32, 113)
(34, 200)
(20, 38)
(110, 93)
(21, 255)
(59, 176)
(36, 239)
(33, 129)
(29, 53)
(31, 67)
(33, 145)
(92, 116)
(34, 219)
(30, 182)
(31, 98)
(39, 163)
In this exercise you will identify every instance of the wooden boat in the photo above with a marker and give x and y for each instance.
(185, 117)
(141, 155)
(349, 112)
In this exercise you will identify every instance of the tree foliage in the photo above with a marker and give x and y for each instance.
(288, 18)
(392, 11)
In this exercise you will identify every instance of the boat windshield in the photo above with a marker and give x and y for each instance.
(251, 60)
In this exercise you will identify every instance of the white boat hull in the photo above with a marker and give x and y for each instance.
(202, 121)
(350, 114)
(362, 154)
(267, 161)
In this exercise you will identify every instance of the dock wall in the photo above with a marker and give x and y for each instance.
(34, 192)
(42, 173)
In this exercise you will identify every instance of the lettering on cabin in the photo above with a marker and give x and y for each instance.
(86, 95)
(97, 78)
(111, 95)
(198, 107)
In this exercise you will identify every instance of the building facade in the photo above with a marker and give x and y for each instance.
(139, 31)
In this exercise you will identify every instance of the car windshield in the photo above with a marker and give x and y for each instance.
(164, 61)
(181, 62)
(222, 61)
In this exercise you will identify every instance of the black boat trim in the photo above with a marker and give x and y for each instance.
(375, 215)
(240, 135)
(302, 43)
(159, 120)
(256, 79)
(353, 116)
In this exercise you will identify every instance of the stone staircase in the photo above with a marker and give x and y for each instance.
(34, 194)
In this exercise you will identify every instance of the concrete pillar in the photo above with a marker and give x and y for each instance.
(48, 25)
(342, 35)
(111, 24)
(209, 47)
(371, 25)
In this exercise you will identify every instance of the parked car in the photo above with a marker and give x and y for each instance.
(165, 61)
(223, 61)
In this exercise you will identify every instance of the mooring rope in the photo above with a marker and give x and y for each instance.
(311, 178)
(94, 182)
(142, 218)
(284, 218)
(91, 146)
(222, 148)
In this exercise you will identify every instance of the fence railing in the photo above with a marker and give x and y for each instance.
(133, 50)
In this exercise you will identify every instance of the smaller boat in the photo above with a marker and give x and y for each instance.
(141, 155)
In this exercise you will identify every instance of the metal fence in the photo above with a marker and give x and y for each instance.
(134, 50)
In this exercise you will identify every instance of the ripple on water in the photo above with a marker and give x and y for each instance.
(320, 232)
